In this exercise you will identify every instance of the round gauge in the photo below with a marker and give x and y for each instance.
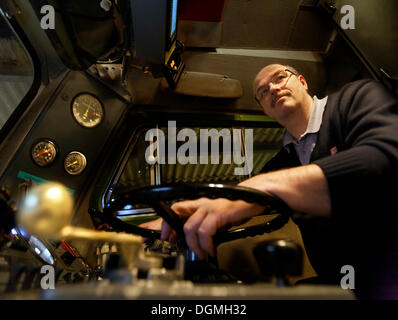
(44, 152)
(74, 163)
(87, 110)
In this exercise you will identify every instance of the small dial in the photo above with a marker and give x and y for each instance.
(44, 152)
(87, 110)
(74, 163)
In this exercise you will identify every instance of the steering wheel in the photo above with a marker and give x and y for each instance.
(155, 197)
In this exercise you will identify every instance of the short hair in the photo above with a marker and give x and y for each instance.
(292, 69)
(284, 65)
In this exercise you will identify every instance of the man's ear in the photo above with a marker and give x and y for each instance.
(303, 82)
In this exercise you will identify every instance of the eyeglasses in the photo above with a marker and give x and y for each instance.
(280, 79)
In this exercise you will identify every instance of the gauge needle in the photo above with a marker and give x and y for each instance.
(71, 164)
(86, 113)
(44, 152)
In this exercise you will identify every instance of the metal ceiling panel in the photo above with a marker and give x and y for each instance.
(266, 24)
(258, 23)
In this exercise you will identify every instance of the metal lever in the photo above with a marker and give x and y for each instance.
(47, 210)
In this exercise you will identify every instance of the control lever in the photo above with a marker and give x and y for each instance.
(47, 210)
(279, 258)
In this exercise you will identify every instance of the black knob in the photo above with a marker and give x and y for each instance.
(279, 259)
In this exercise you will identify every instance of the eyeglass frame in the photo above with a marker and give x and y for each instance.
(288, 78)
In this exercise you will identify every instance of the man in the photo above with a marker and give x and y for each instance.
(343, 154)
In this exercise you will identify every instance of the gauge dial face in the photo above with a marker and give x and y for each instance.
(75, 162)
(87, 110)
(44, 152)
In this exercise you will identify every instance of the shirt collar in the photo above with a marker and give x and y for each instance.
(314, 123)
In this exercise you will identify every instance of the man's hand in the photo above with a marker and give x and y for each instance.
(204, 217)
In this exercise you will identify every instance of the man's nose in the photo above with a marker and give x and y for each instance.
(274, 88)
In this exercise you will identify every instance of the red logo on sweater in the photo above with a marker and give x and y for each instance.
(333, 151)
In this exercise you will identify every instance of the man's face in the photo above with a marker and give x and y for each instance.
(279, 91)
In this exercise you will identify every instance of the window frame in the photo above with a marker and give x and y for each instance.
(36, 82)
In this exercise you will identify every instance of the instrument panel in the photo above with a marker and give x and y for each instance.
(70, 137)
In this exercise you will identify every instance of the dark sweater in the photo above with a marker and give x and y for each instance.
(360, 122)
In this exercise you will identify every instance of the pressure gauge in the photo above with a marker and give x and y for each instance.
(74, 163)
(87, 110)
(44, 152)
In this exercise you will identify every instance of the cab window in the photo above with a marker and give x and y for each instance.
(16, 72)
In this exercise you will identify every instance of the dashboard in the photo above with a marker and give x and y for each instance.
(70, 135)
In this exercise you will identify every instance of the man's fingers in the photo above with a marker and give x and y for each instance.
(185, 208)
(153, 225)
(191, 234)
(206, 231)
(166, 231)
(199, 228)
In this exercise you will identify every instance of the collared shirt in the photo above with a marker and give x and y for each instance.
(307, 141)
